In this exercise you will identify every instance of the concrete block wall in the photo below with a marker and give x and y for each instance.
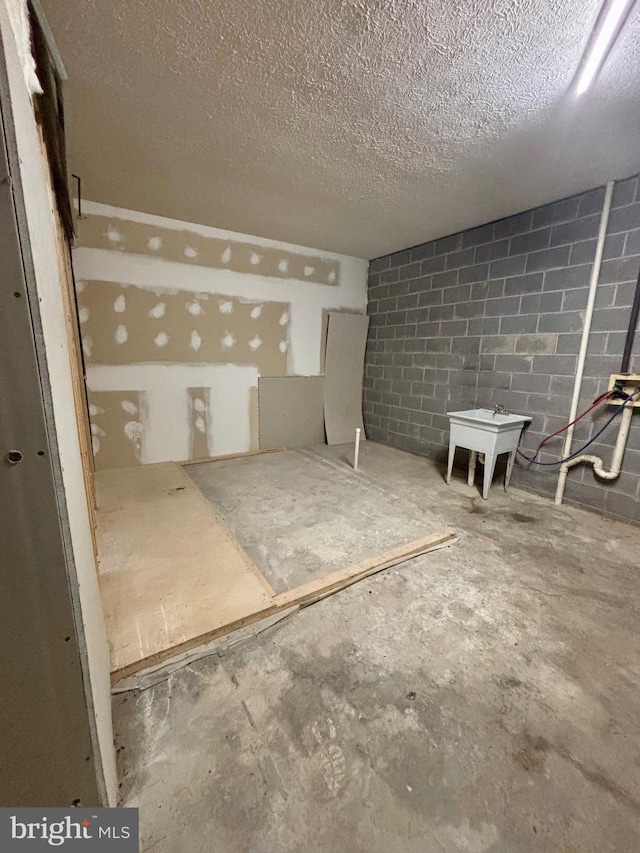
(494, 315)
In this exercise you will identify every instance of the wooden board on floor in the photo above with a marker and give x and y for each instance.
(302, 596)
(283, 605)
(227, 456)
(170, 568)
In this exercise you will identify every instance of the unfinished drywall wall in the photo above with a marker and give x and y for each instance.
(291, 411)
(37, 229)
(495, 315)
(346, 342)
(179, 321)
(206, 250)
(125, 324)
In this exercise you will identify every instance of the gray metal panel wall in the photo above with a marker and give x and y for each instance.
(46, 753)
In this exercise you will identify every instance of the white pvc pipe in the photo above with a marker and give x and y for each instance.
(356, 452)
(618, 453)
(584, 342)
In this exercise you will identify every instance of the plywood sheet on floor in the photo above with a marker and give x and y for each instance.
(170, 568)
(343, 371)
(304, 513)
(291, 411)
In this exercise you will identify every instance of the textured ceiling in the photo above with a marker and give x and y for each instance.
(355, 126)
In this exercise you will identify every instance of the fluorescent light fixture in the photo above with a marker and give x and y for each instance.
(607, 29)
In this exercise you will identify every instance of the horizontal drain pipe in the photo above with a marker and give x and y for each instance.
(618, 452)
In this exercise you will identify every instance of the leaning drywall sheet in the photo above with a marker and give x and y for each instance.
(343, 371)
(170, 568)
(291, 411)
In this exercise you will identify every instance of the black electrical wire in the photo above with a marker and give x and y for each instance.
(591, 440)
(631, 331)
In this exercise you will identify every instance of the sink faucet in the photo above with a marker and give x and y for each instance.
(500, 409)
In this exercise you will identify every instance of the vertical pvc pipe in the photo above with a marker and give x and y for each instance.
(356, 452)
(621, 443)
(586, 330)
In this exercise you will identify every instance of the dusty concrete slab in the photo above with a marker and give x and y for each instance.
(482, 698)
(301, 514)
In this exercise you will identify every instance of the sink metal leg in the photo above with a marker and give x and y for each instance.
(507, 476)
(471, 476)
(489, 468)
(452, 453)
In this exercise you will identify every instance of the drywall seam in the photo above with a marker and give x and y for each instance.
(166, 435)
(118, 421)
(199, 423)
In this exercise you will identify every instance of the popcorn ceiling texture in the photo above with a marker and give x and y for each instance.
(358, 127)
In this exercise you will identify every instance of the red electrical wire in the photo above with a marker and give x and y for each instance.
(595, 403)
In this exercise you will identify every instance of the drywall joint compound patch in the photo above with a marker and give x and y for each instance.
(189, 247)
(131, 325)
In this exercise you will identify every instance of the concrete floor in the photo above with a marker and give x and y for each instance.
(480, 698)
(304, 513)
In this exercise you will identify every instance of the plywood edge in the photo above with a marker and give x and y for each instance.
(159, 672)
(231, 456)
(222, 525)
(102, 472)
(314, 590)
(186, 483)
(301, 596)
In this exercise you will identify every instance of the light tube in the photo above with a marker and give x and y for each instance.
(600, 45)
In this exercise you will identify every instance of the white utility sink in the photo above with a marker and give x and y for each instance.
(488, 432)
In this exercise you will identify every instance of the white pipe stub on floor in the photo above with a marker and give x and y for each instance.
(356, 452)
